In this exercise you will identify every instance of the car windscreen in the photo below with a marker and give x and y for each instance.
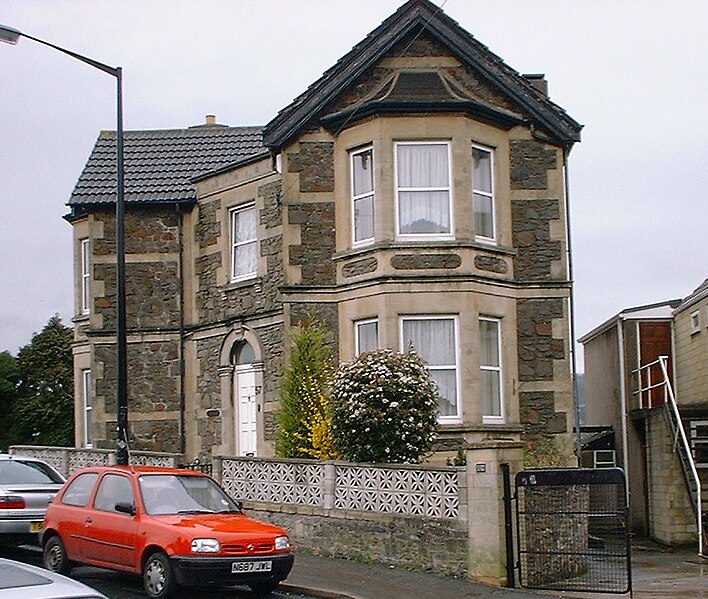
(183, 494)
(25, 472)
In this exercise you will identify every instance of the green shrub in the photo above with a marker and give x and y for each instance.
(303, 417)
(384, 408)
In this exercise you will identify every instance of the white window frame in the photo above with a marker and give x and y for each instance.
(87, 406)
(489, 418)
(235, 244)
(357, 325)
(424, 236)
(487, 194)
(355, 198)
(457, 417)
(695, 322)
(84, 248)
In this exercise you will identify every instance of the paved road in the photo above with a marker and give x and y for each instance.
(118, 585)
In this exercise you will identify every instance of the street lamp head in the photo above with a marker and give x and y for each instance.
(9, 35)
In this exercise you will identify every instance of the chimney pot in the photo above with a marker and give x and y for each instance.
(210, 120)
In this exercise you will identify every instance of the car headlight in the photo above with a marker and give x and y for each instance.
(205, 546)
(282, 543)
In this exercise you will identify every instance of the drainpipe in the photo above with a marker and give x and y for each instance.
(180, 282)
(623, 399)
(571, 305)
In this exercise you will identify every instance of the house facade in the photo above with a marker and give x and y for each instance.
(414, 194)
(630, 394)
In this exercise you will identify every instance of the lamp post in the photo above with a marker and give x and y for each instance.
(11, 36)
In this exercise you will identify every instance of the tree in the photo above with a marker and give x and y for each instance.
(9, 383)
(384, 408)
(303, 417)
(44, 411)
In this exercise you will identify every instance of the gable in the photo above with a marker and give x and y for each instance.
(415, 39)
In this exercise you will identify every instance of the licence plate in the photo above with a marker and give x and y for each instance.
(238, 567)
(35, 526)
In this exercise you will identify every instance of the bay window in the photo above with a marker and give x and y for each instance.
(423, 195)
(87, 405)
(490, 369)
(243, 242)
(483, 194)
(362, 190)
(434, 338)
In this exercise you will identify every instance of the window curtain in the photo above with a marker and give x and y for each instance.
(483, 199)
(244, 234)
(367, 336)
(434, 341)
(426, 210)
(490, 367)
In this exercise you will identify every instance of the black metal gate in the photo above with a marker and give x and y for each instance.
(571, 528)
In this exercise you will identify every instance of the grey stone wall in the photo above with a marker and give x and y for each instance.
(530, 162)
(153, 388)
(327, 314)
(272, 338)
(315, 163)
(531, 235)
(538, 350)
(317, 242)
(360, 267)
(413, 543)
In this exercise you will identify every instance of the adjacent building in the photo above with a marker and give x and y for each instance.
(632, 397)
(414, 194)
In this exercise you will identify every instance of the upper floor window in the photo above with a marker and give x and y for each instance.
(490, 367)
(362, 181)
(483, 193)
(85, 277)
(367, 336)
(88, 405)
(243, 242)
(434, 339)
(695, 322)
(423, 194)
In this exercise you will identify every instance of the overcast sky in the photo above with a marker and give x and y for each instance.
(633, 72)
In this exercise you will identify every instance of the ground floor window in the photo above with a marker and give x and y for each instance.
(490, 367)
(366, 336)
(88, 405)
(434, 338)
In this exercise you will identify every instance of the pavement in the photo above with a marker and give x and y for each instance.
(656, 573)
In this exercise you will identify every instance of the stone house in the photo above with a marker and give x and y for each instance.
(415, 193)
(626, 392)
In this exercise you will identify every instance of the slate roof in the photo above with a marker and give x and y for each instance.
(414, 16)
(160, 165)
(700, 293)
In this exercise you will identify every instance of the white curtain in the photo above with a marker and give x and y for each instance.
(367, 336)
(364, 218)
(244, 242)
(490, 367)
(423, 166)
(434, 341)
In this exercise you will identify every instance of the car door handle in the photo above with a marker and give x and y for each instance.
(88, 520)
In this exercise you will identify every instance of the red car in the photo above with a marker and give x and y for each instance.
(173, 527)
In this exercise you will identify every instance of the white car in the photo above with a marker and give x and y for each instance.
(22, 581)
(27, 485)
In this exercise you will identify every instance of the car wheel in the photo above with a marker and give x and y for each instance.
(54, 556)
(157, 576)
(261, 589)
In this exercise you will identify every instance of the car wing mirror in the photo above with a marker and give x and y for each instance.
(125, 507)
(239, 506)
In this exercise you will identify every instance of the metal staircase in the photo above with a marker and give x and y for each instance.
(654, 381)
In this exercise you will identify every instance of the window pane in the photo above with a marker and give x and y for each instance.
(244, 259)
(364, 218)
(483, 217)
(245, 225)
(447, 391)
(422, 165)
(424, 212)
(482, 170)
(490, 386)
(367, 336)
(489, 343)
(433, 340)
(362, 173)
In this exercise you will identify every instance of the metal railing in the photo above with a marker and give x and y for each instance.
(647, 385)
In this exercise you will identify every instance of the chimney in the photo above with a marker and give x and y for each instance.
(538, 80)
(210, 120)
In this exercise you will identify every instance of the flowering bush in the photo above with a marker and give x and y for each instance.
(384, 408)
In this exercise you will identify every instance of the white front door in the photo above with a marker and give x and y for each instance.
(245, 390)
